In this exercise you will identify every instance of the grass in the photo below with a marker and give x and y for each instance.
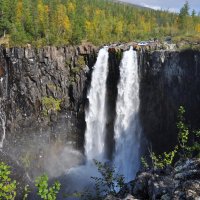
(190, 38)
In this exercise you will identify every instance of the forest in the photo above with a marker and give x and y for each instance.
(63, 22)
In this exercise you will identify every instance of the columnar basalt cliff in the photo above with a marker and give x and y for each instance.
(29, 75)
(43, 94)
(168, 79)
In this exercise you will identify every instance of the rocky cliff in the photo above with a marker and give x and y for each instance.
(178, 183)
(43, 97)
(169, 79)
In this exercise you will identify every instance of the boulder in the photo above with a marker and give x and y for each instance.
(180, 182)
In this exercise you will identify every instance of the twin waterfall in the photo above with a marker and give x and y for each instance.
(127, 127)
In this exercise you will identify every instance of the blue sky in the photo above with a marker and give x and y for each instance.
(172, 5)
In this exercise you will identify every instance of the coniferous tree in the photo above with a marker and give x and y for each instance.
(59, 22)
(184, 13)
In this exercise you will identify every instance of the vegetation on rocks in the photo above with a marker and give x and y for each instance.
(162, 161)
(44, 191)
(7, 185)
(50, 104)
(79, 65)
(185, 148)
(109, 183)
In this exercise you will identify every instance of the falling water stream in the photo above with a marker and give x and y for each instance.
(3, 128)
(96, 113)
(3, 96)
(127, 127)
(95, 125)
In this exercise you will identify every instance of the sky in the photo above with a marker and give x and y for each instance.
(171, 5)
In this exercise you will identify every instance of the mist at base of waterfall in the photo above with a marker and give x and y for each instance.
(62, 161)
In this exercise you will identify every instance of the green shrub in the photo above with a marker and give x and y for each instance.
(169, 157)
(188, 148)
(144, 162)
(109, 183)
(163, 160)
(44, 191)
(183, 134)
(195, 148)
(7, 185)
(184, 149)
(26, 192)
(50, 104)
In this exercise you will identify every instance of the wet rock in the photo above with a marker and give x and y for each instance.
(2, 72)
(128, 197)
(159, 186)
(141, 185)
(111, 197)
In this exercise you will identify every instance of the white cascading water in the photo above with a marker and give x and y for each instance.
(95, 126)
(3, 125)
(127, 127)
(3, 96)
(96, 115)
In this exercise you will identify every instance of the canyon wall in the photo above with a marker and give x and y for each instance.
(29, 76)
(169, 79)
(43, 96)
(44, 93)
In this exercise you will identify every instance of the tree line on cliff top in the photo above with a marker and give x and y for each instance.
(61, 22)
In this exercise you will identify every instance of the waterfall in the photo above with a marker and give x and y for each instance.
(127, 127)
(3, 125)
(3, 96)
(96, 115)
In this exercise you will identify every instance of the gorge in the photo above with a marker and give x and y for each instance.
(38, 130)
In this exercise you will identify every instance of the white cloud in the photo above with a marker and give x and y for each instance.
(159, 7)
(151, 6)
(166, 5)
(175, 10)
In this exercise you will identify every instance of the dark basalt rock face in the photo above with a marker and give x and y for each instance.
(33, 74)
(111, 98)
(28, 75)
(168, 79)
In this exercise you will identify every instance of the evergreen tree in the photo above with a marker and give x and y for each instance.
(61, 22)
(184, 13)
